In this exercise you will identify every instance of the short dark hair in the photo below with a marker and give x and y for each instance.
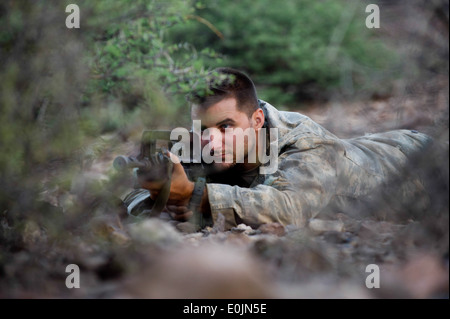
(223, 83)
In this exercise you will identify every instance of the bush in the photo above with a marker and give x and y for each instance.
(133, 64)
(293, 49)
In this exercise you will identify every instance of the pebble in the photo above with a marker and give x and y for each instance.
(320, 226)
(154, 231)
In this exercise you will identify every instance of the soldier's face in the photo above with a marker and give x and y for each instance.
(228, 133)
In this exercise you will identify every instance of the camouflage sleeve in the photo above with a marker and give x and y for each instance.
(303, 185)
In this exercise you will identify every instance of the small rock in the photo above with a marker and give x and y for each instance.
(186, 227)
(273, 228)
(254, 232)
(321, 226)
(154, 231)
(109, 226)
(337, 237)
(242, 228)
(193, 238)
(238, 239)
(350, 224)
(425, 276)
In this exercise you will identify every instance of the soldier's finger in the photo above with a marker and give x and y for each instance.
(177, 209)
(182, 217)
(175, 159)
(177, 167)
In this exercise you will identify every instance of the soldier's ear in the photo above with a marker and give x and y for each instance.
(258, 118)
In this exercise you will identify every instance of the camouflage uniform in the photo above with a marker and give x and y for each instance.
(318, 174)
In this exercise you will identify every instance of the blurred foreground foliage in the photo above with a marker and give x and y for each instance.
(63, 89)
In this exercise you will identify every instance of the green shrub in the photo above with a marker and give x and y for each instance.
(61, 88)
(133, 63)
(293, 49)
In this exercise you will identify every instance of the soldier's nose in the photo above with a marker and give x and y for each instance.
(216, 141)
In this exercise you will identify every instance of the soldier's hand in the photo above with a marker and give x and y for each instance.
(181, 187)
(150, 183)
(180, 213)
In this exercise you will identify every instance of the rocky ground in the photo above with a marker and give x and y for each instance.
(153, 259)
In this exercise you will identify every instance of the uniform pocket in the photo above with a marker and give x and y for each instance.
(364, 158)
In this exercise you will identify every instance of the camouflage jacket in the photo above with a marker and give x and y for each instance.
(319, 174)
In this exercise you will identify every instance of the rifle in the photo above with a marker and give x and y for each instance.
(153, 162)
